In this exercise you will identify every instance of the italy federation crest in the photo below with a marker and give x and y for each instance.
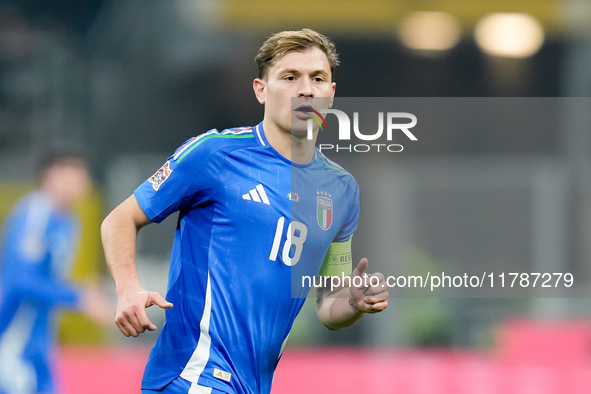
(160, 176)
(324, 208)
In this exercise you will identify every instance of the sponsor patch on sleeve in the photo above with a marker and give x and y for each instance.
(160, 176)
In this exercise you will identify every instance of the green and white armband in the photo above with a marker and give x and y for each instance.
(338, 260)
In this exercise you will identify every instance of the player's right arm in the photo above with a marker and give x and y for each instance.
(119, 233)
(184, 182)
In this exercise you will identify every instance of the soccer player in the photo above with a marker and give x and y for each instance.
(255, 203)
(40, 237)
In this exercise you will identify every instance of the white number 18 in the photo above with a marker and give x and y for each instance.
(296, 236)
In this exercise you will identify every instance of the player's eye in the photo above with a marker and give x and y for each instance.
(289, 77)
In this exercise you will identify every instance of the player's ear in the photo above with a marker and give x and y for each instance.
(259, 87)
(331, 100)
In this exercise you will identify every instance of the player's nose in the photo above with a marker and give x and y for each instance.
(305, 89)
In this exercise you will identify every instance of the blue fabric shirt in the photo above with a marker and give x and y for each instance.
(37, 250)
(251, 223)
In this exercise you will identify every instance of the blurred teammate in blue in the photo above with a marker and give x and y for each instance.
(258, 206)
(40, 238)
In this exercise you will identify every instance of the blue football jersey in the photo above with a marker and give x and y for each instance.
(251, 223)
(37, 250)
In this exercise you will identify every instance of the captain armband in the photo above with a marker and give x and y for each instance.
(338, 260)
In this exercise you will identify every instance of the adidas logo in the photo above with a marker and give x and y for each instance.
(257, 195)
(227, 376)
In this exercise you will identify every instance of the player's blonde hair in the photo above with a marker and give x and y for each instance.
(279, 44)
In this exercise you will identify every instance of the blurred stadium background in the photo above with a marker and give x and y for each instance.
(132, 79)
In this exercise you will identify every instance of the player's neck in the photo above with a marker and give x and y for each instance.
(298, 150)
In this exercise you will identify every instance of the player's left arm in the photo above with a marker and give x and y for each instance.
(342, 306)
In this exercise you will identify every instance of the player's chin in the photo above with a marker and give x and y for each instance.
(299, 126)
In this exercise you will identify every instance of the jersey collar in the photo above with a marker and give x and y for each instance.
(262, 140)
(260, 135)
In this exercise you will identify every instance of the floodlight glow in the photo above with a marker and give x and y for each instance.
(430, 31)
(509, 35)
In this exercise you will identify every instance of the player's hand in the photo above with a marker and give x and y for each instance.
(372, 295)
(131, 317)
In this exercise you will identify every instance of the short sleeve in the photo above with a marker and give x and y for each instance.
(350, 225)
(184, 180)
